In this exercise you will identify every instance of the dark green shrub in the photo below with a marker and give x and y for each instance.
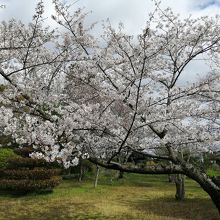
(36, 173)
(28, 162)
(27, 185)
(24, 151)
(24, 174)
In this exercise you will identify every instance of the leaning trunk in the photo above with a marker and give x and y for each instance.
(214, 194)
(205, 182)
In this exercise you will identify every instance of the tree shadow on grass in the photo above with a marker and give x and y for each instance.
(19, 194)
(58, 210)
(131, 184)
(192, 208)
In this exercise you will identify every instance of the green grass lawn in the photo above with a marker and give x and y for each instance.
(134, 197)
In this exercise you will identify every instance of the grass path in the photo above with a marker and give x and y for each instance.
(135, 197)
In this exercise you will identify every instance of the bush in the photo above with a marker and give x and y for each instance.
(5, 155)
(24, 174)
(24, 151)
(27, 185)
(28, 162)
(37, 173)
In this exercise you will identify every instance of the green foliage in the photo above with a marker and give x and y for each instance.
(26, 185)
(35, 174)
(5, 154)
(23, 174)
(212, 171)
(29, 162)
(24, 151)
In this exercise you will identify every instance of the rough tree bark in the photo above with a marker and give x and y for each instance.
(204, 181)
(180, 189)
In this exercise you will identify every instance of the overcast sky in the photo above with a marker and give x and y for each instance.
(133, 13)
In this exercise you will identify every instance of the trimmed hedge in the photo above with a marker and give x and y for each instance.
(24, 151)
(26, 185)
(24, 174)
(28, 162)
(37, 173)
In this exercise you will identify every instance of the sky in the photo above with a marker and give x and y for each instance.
(133, 13)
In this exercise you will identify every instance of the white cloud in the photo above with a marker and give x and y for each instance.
(132, 13)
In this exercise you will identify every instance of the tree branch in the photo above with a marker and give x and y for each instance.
(159, 169)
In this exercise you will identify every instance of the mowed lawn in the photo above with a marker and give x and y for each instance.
(133, 197)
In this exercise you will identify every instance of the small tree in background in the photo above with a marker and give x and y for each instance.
(24, 174)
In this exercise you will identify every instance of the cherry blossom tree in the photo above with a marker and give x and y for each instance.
(73, 96)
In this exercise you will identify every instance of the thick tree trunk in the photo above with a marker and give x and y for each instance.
(205, 182)
(216, 199)
(180, 188)
(214, 194)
